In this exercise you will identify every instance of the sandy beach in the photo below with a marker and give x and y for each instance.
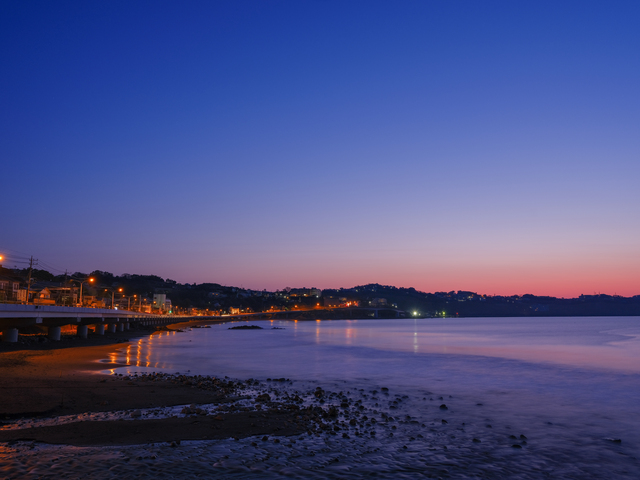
(60, 417)
(62, 379)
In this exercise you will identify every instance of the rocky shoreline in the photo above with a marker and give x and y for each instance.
(229, 409)
(45, 382)
(59, 419)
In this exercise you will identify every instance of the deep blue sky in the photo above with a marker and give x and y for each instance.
(489, 146)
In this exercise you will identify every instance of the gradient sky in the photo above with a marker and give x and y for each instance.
(444, 145)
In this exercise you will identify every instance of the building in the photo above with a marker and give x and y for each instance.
(158, 300)
(43, 297)
(333, 302)
(379, 302)
(10, 289)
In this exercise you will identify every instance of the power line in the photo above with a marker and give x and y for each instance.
(51, 268)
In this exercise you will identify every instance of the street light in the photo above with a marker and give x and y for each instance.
(88, 279)
(129, 297)
(113, 294)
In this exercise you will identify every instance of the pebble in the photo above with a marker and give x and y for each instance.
(364, 445)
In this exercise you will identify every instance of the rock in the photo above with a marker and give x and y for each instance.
(263, 398)
(515, 445)
(136, 414)
(444, 407)
(475, 440)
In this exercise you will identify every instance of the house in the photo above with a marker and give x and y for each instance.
(9, 289)
(42, 297)
(51, 293)
(379, 302)
(333, 302)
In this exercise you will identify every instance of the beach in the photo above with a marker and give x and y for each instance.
(322, 399)
(54, 380)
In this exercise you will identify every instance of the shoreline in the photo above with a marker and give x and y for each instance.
(59, 379)
(333, 427)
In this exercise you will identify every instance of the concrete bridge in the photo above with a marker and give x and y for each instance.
(14, 317)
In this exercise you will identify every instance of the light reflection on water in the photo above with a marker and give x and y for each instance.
(571, 385)
(571, 356)
(583, 370)
(588, 343)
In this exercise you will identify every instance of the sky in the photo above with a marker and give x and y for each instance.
(442, 145)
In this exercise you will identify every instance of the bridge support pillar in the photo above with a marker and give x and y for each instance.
(82, 331)
(10, 335)
(54, 333)
(99, 329)
(127, 326)
(121, 327)
(112, 328)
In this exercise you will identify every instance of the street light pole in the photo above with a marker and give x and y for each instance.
(90, 279)
(113, 295)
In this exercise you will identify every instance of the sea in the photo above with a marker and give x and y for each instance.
(478, 398)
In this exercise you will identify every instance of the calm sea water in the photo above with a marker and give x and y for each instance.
(569, 386)
(586, 361)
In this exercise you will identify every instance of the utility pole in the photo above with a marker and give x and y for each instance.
(71, 290)
(29, 279)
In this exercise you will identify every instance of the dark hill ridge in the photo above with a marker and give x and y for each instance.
(471, 304)
(214, 298)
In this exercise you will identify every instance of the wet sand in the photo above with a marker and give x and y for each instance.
(65, 421)
(62, 379)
